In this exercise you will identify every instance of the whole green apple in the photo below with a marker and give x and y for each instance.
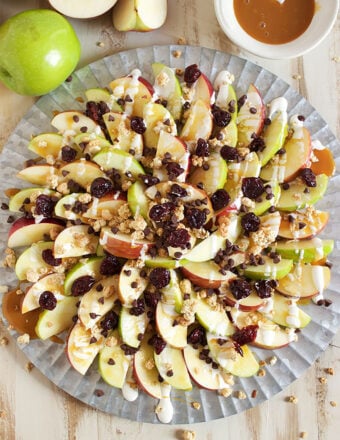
(38, 51)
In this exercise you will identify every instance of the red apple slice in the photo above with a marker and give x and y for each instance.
(75, 241)
(202, 89)
(105, 206)
(303, 224)
(252, 302)
(206, 274)
(123, 245)
(25, 231)
(250, 118)
(74, 122)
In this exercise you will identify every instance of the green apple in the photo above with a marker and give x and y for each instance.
(86, 267)
(261, 207)
(131, 327)
(53, 322)
(287, 314)
(137, 200)
(214, 177)
(166, 262)
(38, 51)
(168, 87)
(139, 15)
(304, 250)
(47, 144)
(21, 197)
(171, 366)
(32, 258)
(269, 270)
(113, 363)
(172, 294)
(295, 196)
(122, 161)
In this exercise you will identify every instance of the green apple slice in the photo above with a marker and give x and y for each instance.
(168, 87)
(202, 373)
(214, 177)
(287, 314)
(249, 167)
(206, 274)
(24, 197)
(120, 160)
(276, 132)
(98, 94)
(305, 251)
(90, 143)
(64, 206)
(113, 364)
(99, 300)
(175, 335)
(47, 144)
(87, 267)
(295, 196)
(305, 281)
(75, 241)
(53, 282)
(42, 175)
(131, 283)
(226, 98)
(230, 360)
(213, 320)
(84, 172)
(137, 200)
(53, 322)
(172, 368)
(131, 327)
(168, 263)
(269, 270)
(172, 294)
(157, 118)
(31, 260)
(83, 346)
(261, 207)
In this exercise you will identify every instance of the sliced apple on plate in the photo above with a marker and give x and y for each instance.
(25, 231)
(74, 122)
(199, 123)
(305, 281)
(98, 94)
(201, 89)
(157, 118)
(83, 346)
(84, 172)
(168, 88)
(137, 200)
(139, 15)
(123, 245)
(172, 294)
(302, 224)
(31, 260)
(47, 144)
(99, 300)
(75, 241)
(53, 283)
(212, 178)
(113, 363)
(107, 206)
(269, 269)
(166, 316)
(287, 314)
(131, 284)
(132, 327)
(86, 267)
(172, 368)
(204, 375)
(206, 274)
(167, 263)
(120, 160)
(305, 251)
(53, 322)
(251, 302)
(26, 197)
(43, 175)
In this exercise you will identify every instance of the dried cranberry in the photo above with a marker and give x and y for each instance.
(192, 73)
(159, 213)
(48, 257)
(110, 265)
(159, 277)
(196, 218)
(138, 307)
(308, 177)
(197, 336)
(245, 335)
(151, 299)
(229, 153)
(95, 110)
(137, 124)
(68, 154)
(158, 343)
(252, 187)
(148, 180)
(257, 144)
(221, 117)
(202, 148)
(250, 222)
(110, 321)
(263, 288)
(220, 199)
(82, 285)
(177, 238)
(177, 191)
(174, 170)
(44, 205)
(100, 187)
(47, 300)
(240, 288)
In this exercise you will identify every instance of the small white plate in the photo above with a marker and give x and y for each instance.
(322, 23)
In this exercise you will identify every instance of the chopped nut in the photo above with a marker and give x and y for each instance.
(296, 76)
(272, 360)
(240, 395)
(261, 372)
(85, 198)
(29, 367)
(149, 364)
(262, 363)
(177, 53)
(329, 371)
(225, 392)
(196, 405)
(23, 339)
(4, 341)
(187, 435)
(336, 59)
(333, 403)
(292, 399)
(182, 40)
(179, 72)
(323, 380)
(111, 341)
(3, 414)
(303, 434)
(100, 44)
(10, 258)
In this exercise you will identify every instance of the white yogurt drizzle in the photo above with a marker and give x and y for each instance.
(293, 314)
(129, 389)
(319, 282)
(165, 409)
(221, 85)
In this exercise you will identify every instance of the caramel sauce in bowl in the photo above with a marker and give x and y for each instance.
(278, 31)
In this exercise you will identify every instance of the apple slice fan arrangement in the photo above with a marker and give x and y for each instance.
(167, 229)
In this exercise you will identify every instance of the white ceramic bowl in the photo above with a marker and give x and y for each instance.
(322, 23)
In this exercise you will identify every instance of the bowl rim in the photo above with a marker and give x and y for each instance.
(321, 25)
